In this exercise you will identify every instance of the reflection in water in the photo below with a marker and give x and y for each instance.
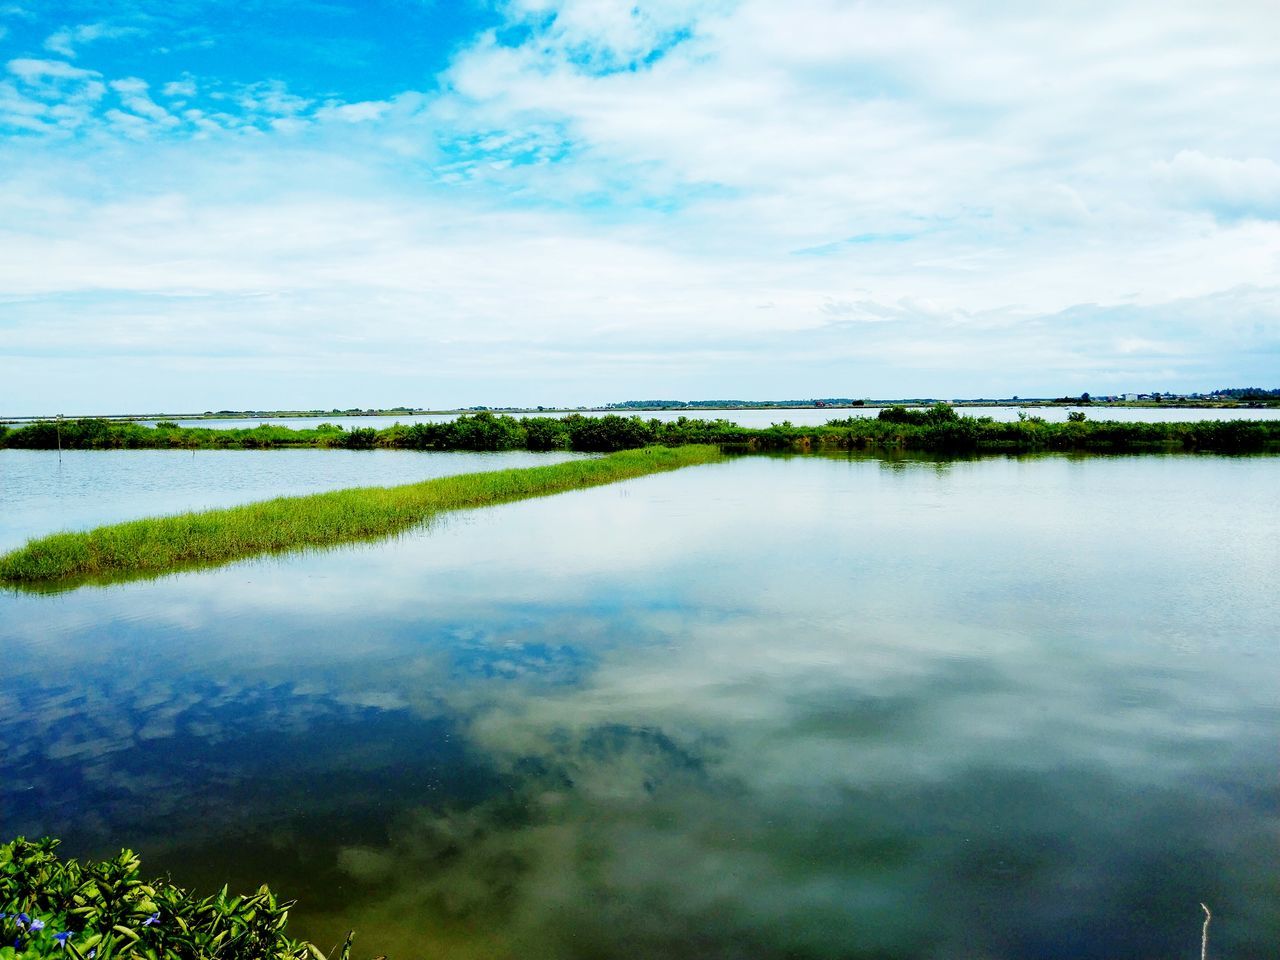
(789, 707)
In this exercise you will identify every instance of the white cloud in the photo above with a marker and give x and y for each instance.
(354, 112)
(1249, 187)
(31, 70)
(272, 98)
(134, 97)
(917, 190)
(183, 89)
(66, 40)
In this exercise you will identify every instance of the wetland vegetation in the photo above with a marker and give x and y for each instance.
(934, 429)
(162, 544)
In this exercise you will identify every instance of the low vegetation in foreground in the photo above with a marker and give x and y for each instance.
(105, 910)
(936, 429)
(163, 544)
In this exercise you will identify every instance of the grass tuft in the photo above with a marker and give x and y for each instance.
(165, 544)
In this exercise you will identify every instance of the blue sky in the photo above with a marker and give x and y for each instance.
(327, 204)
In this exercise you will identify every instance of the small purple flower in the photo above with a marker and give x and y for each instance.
(37, 925)
(154, 918)
(63, 937)
(22, 919)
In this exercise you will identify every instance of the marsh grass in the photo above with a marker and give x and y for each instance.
(165, 544)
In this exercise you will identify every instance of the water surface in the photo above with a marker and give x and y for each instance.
(43, 492)
(799, 416)
(793, 707)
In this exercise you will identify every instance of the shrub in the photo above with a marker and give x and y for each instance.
(609, 433)
(938, 413)
(360, 438)
(104, 910)
(545, 433)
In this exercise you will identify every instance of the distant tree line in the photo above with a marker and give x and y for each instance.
(1249, 394)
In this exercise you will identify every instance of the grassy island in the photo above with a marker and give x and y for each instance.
(164, 544)
(937, 429)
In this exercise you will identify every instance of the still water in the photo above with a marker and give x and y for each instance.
(801, 707)
(41, 493)
(800, 416)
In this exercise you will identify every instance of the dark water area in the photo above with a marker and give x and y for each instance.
(776, 707)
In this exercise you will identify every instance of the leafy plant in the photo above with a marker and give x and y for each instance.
(105, 910)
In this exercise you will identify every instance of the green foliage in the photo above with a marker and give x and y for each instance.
(163, 544)
(938, 428)
(1076, 416)
(105, 910)
(937, 414)
(546, 433)
(359, 438)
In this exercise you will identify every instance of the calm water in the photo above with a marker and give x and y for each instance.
(800, 416)
(801, 708)
(40, 493)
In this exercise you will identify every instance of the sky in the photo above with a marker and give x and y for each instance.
(304, 204)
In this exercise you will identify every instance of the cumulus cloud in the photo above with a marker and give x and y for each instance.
(916, 190)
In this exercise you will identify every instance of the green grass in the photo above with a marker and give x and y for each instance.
(164, 544)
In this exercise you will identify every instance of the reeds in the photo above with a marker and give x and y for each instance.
(164, 544)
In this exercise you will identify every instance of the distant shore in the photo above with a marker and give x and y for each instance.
(627, 409)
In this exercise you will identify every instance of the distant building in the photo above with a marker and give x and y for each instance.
(1131, 396)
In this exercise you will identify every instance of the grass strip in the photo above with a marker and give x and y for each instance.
(161, 545)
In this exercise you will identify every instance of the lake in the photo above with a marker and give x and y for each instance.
(798, 707)
(42, 493)
(800, 416)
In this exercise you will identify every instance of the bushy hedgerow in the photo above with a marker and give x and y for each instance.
(938, 428)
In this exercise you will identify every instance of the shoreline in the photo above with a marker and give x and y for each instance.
(627, 411)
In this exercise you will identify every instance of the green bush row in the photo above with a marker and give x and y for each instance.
(937, 428)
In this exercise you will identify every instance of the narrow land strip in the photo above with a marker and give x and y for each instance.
(165, 544)
(937, 429)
